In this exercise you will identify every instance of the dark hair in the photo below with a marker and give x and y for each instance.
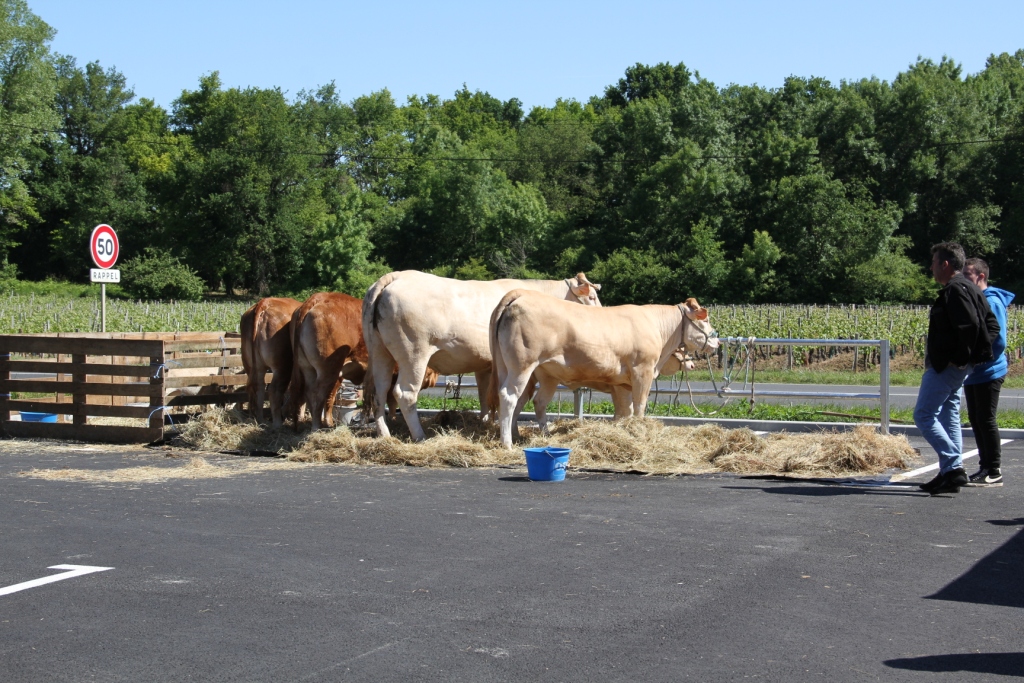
(952, 252)
(978, 266)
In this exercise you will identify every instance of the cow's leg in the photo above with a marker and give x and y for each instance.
(381, 371)
(317, 384)
(483, 385)
(531, 389)
(407, 392)
(332, 396)
(258, 385)
(641, 378)
(548, 387)
(622, 399)
(511, 389)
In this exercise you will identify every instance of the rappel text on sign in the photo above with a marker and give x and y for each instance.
(104, 275)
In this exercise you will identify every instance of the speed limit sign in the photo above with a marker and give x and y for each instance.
(103, 246)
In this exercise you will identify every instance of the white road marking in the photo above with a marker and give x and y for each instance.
(934, 466)
(72, 570)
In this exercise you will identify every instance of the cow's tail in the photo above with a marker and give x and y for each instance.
(248, 327)
(375, 348)
(295, 396)
(498, 367)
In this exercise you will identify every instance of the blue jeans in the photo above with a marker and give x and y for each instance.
(937, 414)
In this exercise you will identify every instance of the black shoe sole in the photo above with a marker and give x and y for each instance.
(939, 491)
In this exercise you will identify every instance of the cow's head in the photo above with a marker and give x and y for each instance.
(698, 335)
(677, 362)
(583, 290)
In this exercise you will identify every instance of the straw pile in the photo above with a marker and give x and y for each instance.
(633, 445)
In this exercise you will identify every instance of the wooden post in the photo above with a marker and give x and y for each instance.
(79, 397)
(156, 398)
(5, 375)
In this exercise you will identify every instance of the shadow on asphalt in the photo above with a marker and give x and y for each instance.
(516, 479)
(1001, 663)
(825, 491)
(993, 580)
(1007, 522)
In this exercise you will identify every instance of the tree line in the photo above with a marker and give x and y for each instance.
(663, 186)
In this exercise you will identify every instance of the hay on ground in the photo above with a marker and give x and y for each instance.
(635, 444)
(195, 468)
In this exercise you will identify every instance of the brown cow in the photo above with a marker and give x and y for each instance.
(327, 341)
(267, 345)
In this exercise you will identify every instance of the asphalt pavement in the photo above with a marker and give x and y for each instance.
(338, 573)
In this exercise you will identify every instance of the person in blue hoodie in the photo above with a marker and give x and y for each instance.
(982, 386)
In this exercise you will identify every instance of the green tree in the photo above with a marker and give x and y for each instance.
(27, 114)
(99, 170)
(237, 191)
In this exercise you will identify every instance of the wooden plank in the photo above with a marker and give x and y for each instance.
(205, 361)
(174, 346)
(97, 388)
(121, 369)
(94, 347)
(87, 432)
(208, 380)
(208, 399)
(81, 409)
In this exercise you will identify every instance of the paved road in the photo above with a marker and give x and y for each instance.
(335, 573)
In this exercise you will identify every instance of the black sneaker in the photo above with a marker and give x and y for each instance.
(986, 477)
(951, 482)
(929, 485)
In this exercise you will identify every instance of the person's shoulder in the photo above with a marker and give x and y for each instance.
(1000, 295)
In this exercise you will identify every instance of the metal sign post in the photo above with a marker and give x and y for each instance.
(104, 249)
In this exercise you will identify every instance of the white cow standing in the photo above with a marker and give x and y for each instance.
(619, 348)
(413, 319)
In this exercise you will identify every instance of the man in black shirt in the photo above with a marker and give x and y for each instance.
(959, 335)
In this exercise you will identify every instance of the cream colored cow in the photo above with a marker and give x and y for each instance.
(413, 319)
(618, 348)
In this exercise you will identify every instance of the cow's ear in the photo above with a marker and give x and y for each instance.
(702, 314)
(582, 290)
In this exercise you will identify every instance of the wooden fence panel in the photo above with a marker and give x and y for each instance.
(119, 375)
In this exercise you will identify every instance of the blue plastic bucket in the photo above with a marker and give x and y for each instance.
(38, 417)
(546, 464)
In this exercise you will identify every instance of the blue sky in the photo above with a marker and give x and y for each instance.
(536, 51)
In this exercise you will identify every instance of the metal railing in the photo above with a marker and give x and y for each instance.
(883, 386)
(882, 396)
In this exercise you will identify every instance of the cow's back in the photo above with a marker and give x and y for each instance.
(578, 343)
(326, 323)
(418, 311)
